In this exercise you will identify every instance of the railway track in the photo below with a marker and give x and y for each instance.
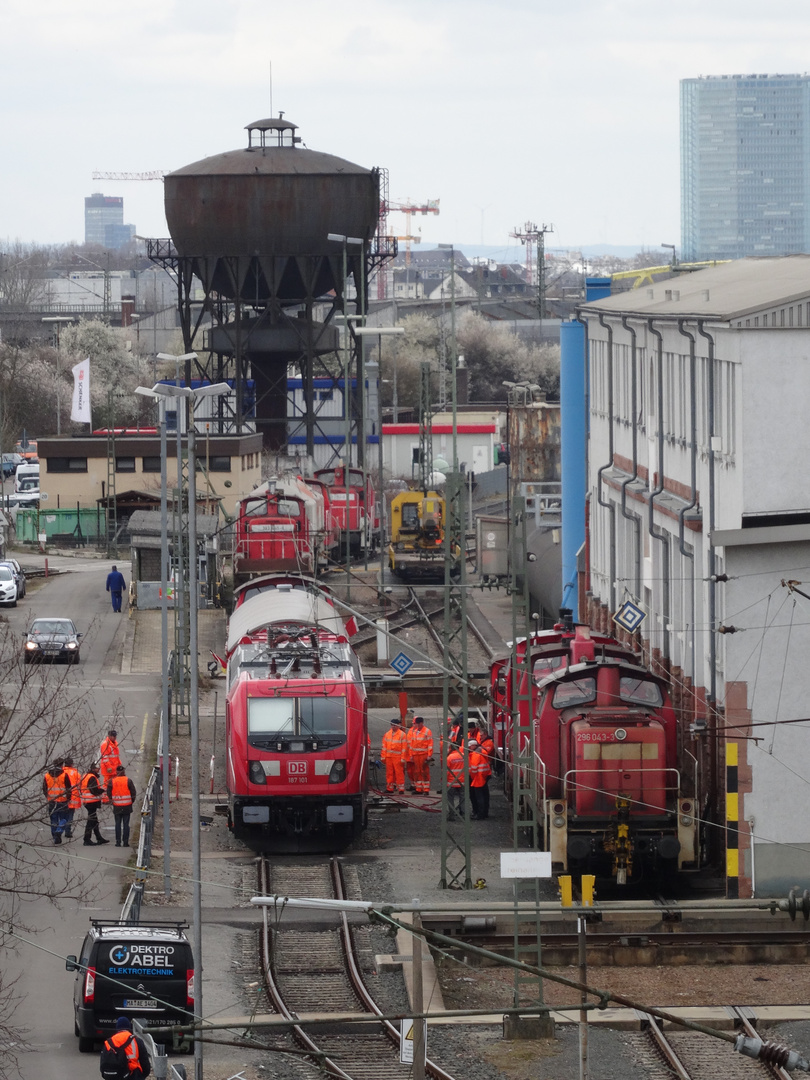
(318, 971)
(691, 1055)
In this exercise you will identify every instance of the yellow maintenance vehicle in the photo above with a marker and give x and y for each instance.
(416, 551)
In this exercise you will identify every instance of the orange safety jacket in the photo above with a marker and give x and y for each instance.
(109, 752)
(479, 770)
(420, 740)
(131, 1051)
(455, 769)
(488, 750)
(394, 744)
(74, 776)
(56, 787)
(87, 795)
(121, 795)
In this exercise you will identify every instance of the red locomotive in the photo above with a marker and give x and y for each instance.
(281, 526)
(604, 761)
(354, 508)
(296, 721)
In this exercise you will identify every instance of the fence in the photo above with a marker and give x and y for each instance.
(151, 810)
(77, 526)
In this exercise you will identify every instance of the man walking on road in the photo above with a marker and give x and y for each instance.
(121, 793)
(116, 585)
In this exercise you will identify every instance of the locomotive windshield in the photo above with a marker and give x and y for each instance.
(281, 718)
(576, 692)
(640, 691)
(545, 665)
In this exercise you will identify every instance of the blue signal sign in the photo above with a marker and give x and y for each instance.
(401, 663)
(629, 616)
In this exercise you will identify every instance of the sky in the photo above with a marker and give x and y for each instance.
(560, 113)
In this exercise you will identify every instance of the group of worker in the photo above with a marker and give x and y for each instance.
(105, 781)
(408, 752)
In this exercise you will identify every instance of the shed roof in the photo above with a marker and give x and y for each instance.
(723, 292)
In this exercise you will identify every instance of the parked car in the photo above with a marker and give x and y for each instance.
(143, 972)
(51, 639)
(8, 586)
(10, 463)
(19, 575)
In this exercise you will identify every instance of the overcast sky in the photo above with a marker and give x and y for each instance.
(560, 112)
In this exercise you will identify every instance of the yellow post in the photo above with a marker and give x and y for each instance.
(566, 891)
(588, 882)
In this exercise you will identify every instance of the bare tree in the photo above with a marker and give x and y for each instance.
(494, 354)
(42, 717)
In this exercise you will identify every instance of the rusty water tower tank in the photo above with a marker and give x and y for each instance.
(267, 206)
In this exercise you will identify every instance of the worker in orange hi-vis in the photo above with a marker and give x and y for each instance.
(420, 742)
(109, 758)
(408, 759)
(394, 749)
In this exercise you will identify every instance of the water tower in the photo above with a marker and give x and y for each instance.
(253, 226)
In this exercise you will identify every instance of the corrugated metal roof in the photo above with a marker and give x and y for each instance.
(724, 292)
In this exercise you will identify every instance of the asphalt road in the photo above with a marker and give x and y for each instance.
(43, 988)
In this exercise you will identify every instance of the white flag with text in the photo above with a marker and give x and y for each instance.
(80, 410)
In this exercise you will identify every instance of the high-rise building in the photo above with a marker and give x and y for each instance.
(745, 166)
(102, 214)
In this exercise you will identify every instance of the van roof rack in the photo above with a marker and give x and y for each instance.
(153, 924)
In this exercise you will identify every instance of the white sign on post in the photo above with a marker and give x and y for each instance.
(406, 1038)
(525, 864)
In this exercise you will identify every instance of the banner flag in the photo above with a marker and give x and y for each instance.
(80, 410)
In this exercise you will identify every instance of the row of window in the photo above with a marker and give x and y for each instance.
(215, 463)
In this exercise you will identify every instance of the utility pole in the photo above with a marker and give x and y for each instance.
(529, 235)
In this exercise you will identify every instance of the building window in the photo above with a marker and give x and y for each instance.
(125, 464)
(151, 464)
(219, 463)
(66, 464)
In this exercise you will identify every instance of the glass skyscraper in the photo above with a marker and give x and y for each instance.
(745, 166)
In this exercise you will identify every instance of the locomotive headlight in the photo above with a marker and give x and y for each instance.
(558, 821)
(686, 821)
(337, 774)
(256, 773)
(620, 734)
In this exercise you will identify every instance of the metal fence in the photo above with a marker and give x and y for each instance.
(151, 809)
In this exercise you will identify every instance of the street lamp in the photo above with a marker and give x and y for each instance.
(57, 320)
(192, 396)
(379, 332)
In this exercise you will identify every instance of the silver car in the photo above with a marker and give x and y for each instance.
(8, 586)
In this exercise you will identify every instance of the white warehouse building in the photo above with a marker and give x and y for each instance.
(699, 495)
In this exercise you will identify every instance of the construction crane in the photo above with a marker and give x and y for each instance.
(431, 206)
(158, 174)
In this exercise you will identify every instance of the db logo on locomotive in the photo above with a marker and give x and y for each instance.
(297, 768)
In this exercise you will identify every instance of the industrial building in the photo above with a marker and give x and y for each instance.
(699, 516)
(745, 166)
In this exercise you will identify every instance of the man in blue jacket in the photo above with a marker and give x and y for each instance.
(115, 587)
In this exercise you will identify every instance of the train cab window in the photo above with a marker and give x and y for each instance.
(288, 508)
(327, 476)
(270, 716)
(640, 691)
(545, 665)
(322, 717)
(255, 508)
(577, 692)
(410, 516)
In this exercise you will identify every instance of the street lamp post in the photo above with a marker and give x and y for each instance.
(57, 320)
(192, 396)
(380, 332)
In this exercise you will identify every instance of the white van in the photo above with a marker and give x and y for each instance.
(26, 485)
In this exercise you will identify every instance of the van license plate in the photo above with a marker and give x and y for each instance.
(140, 1003)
